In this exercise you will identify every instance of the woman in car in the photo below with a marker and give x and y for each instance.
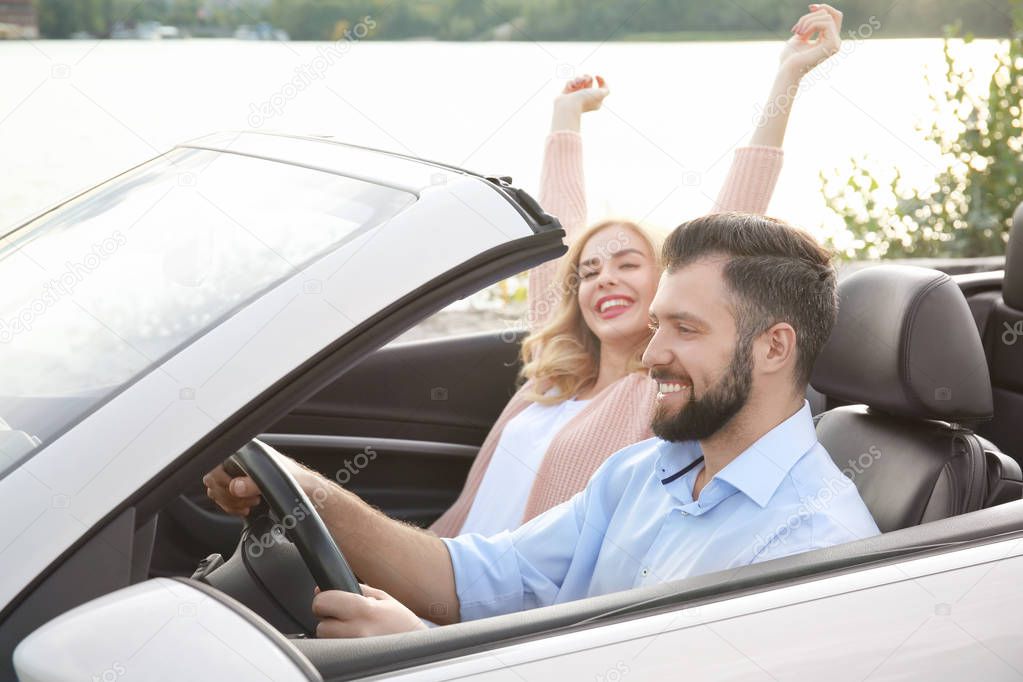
(585, 394)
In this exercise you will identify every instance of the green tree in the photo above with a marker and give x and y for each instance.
(595, 20)
(967, 210)
(61, 19)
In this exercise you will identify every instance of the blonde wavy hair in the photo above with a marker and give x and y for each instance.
(564, 354)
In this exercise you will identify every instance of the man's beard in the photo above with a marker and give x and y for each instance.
(702, 417)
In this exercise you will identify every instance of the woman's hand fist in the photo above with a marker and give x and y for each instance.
(817, 36)
(579, 93)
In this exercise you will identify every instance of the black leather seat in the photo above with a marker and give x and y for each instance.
(906, 352)
(1003, 344)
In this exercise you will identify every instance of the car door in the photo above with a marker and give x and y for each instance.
(954, 616)
(401, 430)
(935, 601)
(951, 610)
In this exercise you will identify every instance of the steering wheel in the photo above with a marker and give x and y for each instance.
(265, 573)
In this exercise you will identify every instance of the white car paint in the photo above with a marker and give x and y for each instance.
(160, 631)
(72, 483)
(926, 619)
(324, 154)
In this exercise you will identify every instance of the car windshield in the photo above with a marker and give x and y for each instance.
(98, 291)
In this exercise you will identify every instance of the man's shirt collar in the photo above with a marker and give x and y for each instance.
(756, 472)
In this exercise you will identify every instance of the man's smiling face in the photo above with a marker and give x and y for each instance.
(704, 373)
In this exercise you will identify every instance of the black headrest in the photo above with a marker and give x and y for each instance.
(906, 344)
(1012, 285)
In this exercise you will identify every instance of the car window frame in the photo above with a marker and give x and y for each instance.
(188, 341)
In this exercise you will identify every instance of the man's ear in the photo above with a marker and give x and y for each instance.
(776, 348)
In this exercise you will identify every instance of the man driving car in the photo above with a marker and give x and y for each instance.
(735, 475)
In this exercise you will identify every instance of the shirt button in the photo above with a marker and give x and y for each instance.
(685, 513)
(644, 573)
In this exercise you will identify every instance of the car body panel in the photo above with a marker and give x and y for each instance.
(75, 481)
(929, 618)
(392, 170)
(144, 631)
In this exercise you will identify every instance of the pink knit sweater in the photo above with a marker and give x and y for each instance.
(620, 414)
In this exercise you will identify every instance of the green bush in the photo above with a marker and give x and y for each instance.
(967, 210)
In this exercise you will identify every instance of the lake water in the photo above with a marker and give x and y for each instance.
(73, 113)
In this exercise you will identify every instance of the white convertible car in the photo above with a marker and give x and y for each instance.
(242, 290)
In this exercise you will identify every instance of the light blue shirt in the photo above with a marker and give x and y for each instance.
(636, 523)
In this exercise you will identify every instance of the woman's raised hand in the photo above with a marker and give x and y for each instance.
(816, 36)
(578, 96)
(580, 92)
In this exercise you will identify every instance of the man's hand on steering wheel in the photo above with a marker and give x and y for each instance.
(374, 612)
(294, 496)
(237, 495)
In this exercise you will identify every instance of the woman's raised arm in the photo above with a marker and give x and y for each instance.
(562, 185)
(755, 168)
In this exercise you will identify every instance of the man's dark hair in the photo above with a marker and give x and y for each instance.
(775, 272)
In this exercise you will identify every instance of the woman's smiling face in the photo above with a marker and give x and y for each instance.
(618, 277)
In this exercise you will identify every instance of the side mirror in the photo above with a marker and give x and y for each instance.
(160, 629)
